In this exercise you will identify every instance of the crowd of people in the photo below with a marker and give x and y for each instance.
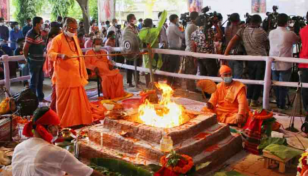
(55, 50)
(237, 38)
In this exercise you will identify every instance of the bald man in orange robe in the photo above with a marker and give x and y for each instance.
(70, 77)
(112, 80)
(229, 102)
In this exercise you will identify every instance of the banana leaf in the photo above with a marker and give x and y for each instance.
(268, 141)
(120, 167)
(150, 36)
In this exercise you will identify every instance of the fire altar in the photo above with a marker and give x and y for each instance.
(137, 138)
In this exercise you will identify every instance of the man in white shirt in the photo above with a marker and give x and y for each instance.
(190, 62)
(175, 38)
(38, 156)
(113, 26)
(281, 45)
(163, 39)
(174, 34)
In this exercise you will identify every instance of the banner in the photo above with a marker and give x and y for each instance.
(106, 10)
(195, 5)
(258, 6)
(4, 9)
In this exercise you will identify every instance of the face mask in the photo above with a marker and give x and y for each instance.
(1, 24)
(69, 34)
(227, 80)
(97, 47)
(16, 27)
(113, 37)
(95, 24)
(135, 22)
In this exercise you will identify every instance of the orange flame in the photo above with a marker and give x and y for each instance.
(166, 114)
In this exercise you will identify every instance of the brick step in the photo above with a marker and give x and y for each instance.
(150, 151)
(201, 141)
(153, 134)
(93, 150)
(218, 153)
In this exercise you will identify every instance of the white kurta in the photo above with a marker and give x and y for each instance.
(36, 157)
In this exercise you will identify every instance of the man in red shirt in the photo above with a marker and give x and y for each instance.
(304, 67)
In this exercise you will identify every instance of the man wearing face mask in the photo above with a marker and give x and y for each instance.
(38, 156)
(113, 26)
(15, 34)
(34, 52)
(70, 76)
(94, 28)
(229, 100)
(175, 37)
(27, 28)
(131, 31)
(112, 80)
(4, 30)
(255, 41)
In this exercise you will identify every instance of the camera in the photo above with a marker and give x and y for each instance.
(271, 20)
(297, 23)
(118, 27)
(185, 18)
(208, 19)
(248, 18)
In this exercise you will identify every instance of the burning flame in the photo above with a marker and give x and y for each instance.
(166, 114)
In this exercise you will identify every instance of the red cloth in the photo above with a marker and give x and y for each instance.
(252, 133)
(304, 51)
(49, 118)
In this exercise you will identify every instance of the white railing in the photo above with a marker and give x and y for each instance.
(267, 82)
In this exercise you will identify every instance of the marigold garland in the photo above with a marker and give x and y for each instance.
(178, 169)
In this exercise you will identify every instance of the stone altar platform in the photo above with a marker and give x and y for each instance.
(202, 138)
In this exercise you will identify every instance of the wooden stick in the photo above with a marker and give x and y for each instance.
(204, 97)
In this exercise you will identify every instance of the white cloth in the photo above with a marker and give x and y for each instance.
(36, 157)
(175, 36)
(281, 45)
